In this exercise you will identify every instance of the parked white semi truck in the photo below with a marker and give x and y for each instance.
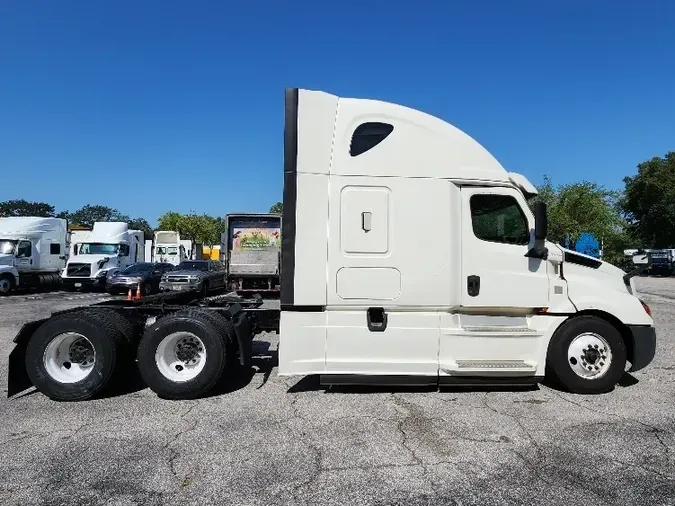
(32, 252)
(169, 247)
(108, 247)
(409, 254)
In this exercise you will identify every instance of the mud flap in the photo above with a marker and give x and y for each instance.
(242, 328)
(17, 377)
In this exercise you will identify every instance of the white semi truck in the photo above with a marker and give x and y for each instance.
(169, 247)
(409, 254)
(32, 252)
(108, 247)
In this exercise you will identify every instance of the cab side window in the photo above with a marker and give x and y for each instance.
(124, 250)
(499, 218)
(24, 249)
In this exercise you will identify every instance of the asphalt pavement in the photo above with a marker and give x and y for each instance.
(286, 441)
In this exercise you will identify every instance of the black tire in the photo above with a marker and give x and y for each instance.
(8, 281)
(561, 370)
(107, 341)
(147, 288)
(121, 322)
(226, 330)
(203, 326)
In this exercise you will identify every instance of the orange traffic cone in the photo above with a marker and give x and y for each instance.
(129, 295)
(138, 292)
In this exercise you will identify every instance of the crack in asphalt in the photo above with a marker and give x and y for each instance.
(73, 432)
(650, 429)
(540, 459)
(173, 453)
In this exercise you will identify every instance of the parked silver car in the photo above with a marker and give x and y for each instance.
(200, 275)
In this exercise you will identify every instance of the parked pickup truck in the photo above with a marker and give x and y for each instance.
(200, 275)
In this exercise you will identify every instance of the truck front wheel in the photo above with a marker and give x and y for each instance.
(182, 356)
(74, 356)
(6, 284)
(587, 355)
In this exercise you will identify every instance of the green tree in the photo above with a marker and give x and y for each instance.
(88, 215)
(23, 207)
(199, 228)
(277, 208)
(581, 207)
(648, 203)
(142, 225)
(170, 221)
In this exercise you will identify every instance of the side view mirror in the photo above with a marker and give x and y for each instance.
(539, 250)
(540, 221)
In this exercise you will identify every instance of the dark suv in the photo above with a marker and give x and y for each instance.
(148, 274)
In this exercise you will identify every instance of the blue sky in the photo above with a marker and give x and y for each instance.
(150, 106)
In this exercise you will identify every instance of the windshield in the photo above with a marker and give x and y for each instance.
(163, 250)
(193, 266)
(7, 247)
(96, 248)
(138, 269)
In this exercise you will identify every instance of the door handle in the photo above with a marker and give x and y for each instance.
(473, 285)
(365, 221)
(376, 319)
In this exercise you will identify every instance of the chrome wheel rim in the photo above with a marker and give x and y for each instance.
(589, 355)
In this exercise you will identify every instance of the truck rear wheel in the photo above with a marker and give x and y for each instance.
(122, 323)
(182, 356)
(587, 355)
(73, 357)
(6, 284)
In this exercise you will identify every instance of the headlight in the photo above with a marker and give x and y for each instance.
(165, 278)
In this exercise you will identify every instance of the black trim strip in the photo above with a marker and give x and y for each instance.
(302, 309)
(574, 258)
(290, 197)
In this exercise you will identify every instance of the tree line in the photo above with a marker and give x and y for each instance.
(202, 228)
(642, 215)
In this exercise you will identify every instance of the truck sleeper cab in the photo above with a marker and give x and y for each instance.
(109, 247)
(32, 252)
(410, 254)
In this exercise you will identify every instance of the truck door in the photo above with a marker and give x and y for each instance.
(24, 255)
(497, 232)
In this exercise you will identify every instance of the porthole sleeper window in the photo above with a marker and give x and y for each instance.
(368, 135)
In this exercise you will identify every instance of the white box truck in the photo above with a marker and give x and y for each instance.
(108, 247)
(32, 252)
(409, 254)
(250, 249)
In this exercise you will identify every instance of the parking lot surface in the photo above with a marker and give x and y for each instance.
(285, 441)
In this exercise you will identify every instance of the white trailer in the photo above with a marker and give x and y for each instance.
(409, 255)
(32, 252)
(108, 247)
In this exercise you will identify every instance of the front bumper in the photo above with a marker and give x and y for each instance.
(168, 286)
(84, 282)
(644, 346)
(122, 286)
